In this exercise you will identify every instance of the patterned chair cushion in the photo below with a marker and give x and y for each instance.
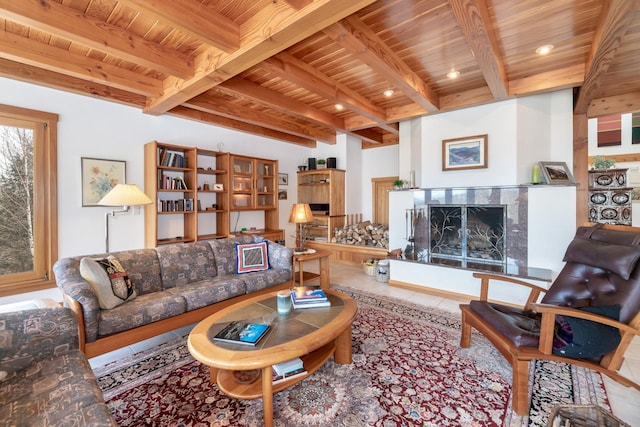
(209, 291)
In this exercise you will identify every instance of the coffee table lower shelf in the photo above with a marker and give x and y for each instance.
(312, 362)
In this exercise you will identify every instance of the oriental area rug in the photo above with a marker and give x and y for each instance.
(408, 370)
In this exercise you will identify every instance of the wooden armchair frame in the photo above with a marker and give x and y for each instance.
(519, 357)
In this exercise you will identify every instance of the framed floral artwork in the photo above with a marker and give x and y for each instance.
(99, 176)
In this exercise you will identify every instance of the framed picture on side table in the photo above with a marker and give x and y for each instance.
(99, 176)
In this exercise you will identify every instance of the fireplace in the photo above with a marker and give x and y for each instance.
(480, 228)
(467, 234)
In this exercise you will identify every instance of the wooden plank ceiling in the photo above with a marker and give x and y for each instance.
(278, 68)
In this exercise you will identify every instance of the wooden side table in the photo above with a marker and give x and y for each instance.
(302, 276)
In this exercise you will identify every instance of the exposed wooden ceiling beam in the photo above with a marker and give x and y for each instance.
(259, 118)
(474, 21)
(41, 77)
(193, 18)
(354, 36)
(67, 23)
(561, 78)
(291, 69)
(387, 140)
(225, 122)
(369, 136)
(299, 4)
(257, 94)
(48, 57)
(616, 18)
(267, 97)
(269, 32)
(614, 105)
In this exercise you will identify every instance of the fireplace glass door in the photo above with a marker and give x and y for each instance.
(467, 235)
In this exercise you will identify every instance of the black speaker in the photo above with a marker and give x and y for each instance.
(312, 163)
(331, 162)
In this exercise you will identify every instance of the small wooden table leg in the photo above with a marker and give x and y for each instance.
(267, 396)
(213, 374)
(342, 353)
(324, 272)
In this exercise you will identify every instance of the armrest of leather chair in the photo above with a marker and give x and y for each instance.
(485, 278)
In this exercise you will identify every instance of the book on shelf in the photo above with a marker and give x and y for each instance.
(245, 333)
(289, 375)
(310, 304)
(285, 367)
(307, 294)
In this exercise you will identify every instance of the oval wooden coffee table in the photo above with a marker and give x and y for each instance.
(313, 334)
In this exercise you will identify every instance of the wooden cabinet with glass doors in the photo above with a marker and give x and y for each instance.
(254, 186)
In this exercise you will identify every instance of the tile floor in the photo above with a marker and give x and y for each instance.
(624, 401)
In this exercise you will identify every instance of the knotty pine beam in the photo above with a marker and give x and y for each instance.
(259, 118)
(581, 166)
(193, 18)
(271, 31)
(255, 93)
(41, 77)
(353, 35)
(32, 52)
(201, 116)
(289, 68)
(614, 105)
(616, 18)
(474, 21)
(66, 23)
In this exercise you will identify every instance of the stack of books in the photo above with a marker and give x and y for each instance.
(287, 370)
(308, 297)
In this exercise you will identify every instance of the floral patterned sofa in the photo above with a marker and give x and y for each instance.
(175, 285)
(46, 379)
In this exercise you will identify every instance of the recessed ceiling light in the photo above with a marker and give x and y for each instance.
(453, 74)
(339, 107)
(544, 50)
(388, 93)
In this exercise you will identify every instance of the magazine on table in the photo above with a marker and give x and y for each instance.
(239, 332)
(288, 366)
(293, 374)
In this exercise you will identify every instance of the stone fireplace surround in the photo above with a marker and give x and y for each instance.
(541, 221)
(514, 200)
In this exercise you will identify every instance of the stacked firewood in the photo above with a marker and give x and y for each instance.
(363, 234)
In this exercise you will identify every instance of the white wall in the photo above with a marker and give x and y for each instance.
(93, 128)
(520, 132)
(376, 163)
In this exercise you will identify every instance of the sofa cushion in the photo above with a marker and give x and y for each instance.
(210, 291)
(225, 252)
(53, 390)
(109, 281)
(252, 257)
(265, 279)
(182, 264)
(143, 310)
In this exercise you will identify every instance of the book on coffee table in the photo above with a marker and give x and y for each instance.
(302, 294)
(238, 332)
(276, 378)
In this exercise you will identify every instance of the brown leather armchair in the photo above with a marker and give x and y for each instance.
(587, 317)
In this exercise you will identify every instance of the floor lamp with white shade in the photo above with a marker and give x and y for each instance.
(124, 195)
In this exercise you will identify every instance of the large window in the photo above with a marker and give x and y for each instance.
(28, 202)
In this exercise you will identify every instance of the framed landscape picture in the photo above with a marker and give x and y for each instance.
(464, 153)
(556, 173)
(99, 176)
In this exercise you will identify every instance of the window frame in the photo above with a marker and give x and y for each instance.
(45, 127)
